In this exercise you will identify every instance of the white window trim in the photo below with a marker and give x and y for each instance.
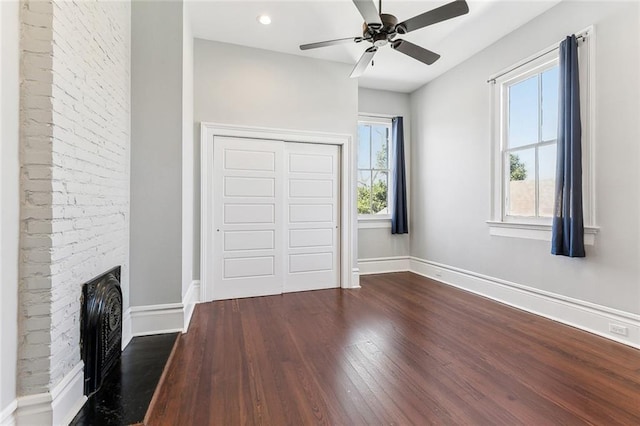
(535, 228)
(370, 221)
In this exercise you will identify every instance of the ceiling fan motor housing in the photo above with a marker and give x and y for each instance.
(380, 36)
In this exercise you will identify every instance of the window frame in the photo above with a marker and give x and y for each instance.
(538, 228)
(544, 63)
(377, 220)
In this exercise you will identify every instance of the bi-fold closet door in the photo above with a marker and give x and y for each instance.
(275, 217)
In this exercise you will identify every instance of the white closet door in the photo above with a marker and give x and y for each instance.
(247, 218)
(312, 217)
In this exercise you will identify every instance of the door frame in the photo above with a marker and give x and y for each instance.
(208, 131)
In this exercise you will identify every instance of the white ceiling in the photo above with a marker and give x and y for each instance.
(307, 21)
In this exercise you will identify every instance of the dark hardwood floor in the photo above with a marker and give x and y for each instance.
(401, 350)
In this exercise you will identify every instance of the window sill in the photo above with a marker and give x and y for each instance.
(374, 222)
(534, 231)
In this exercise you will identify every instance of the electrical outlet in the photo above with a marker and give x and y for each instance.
(618, 329)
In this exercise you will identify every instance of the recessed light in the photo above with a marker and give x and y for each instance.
(264, 19)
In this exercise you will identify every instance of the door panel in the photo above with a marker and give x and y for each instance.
(312, 200)
(307, 213)
(311, 163)
(312, 262)
(249, 240)
(249, 213)
(249, 187)
(307, 188)
(248, 218)
(311, 237)
(249, 160)
(249, 267)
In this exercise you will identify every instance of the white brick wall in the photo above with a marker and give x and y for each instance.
(75, 109)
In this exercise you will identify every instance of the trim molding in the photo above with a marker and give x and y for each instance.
(156, 319)
(159, 319)
(56, 407)
(355, 278)
(8, 414)
(126, 328)
(596, 319)
(381, 265)
(189, 301)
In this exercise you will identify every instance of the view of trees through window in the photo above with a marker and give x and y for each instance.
(373, 169)
(517, 168)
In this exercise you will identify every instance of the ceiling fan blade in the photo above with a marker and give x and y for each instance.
(442, 13)
(367, 9)
(330, 43)
(416, 52)
(364, 62)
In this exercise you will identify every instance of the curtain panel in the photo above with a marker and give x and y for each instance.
(568, 228)
(399, 224)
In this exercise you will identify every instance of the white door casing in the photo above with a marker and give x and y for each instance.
(344, 216)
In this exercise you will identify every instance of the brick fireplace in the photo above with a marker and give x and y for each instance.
(75, 145)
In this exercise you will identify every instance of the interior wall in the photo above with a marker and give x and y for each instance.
(379, 242)
(253, 87)
(9, 198)
(156, 152)
(451, 163)
(188, 158)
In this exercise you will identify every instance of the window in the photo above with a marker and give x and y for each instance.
(374, 143)
(525, 114)
(530, 118)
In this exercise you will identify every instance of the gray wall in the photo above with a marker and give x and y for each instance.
(452, 153)
(9, 198)
(156, 152)
(379, 242)
(188, 156)
(254, 87)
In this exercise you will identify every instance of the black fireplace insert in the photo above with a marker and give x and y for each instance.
(100, 327)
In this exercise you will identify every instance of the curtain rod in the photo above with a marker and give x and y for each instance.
(579, 38)
(373, 115)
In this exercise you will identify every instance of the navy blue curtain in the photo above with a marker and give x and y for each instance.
(568, 228)
(399, 224)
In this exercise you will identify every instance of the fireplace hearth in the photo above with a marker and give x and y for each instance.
(100, 327)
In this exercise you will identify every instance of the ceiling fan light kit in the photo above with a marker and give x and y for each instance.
(380, 29)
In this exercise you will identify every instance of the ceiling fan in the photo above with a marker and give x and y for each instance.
(380, 29)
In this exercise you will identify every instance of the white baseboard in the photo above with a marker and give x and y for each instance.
(587, 316)
(127, 334)
(191, 298)
(57, 407)
(355, 278)
(382, 265)
(160, 319)
(156, 319)
(8, 414)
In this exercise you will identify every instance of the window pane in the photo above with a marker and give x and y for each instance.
(364, 192)
(364, 146)
(547, 172)
(521, 190)
(379, 196)
(550, 104)
(379, 148)
(523, 112)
